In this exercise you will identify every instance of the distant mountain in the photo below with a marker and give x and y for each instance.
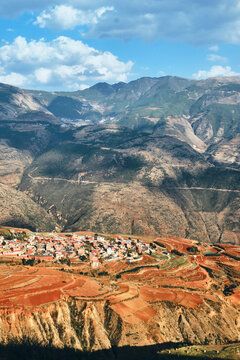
(203, 113)
(19, 104)
(153, 156)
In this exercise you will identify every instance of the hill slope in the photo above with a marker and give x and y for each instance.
(156, 155)
(17, 208)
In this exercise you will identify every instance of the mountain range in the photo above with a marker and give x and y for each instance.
(153, 156)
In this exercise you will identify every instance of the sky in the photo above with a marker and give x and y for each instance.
(72, 44)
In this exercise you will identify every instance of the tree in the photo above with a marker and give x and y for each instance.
(31, 261)
(193, 250)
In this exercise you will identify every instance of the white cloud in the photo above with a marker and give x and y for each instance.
(62, 63)
(215, 58)
(66, 17)
(43, 75)
(201, 22)
(214, 48)
(198, 22)
(13, 79)
(215, 71)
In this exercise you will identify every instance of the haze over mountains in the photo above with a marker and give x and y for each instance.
(154, 156)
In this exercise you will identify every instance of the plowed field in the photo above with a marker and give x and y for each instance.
(133, 290)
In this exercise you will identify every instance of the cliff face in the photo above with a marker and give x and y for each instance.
(91, 326)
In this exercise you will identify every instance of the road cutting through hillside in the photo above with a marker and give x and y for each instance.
(42, 178)
(205, 189)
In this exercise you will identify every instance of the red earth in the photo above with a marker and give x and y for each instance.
(132, 289)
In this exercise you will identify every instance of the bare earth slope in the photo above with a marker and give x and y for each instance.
(26, 213)
(115, 180)
(154, 156)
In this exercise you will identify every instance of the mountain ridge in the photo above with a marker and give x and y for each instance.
(175, 141)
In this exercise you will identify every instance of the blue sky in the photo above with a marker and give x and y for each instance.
(73, 44)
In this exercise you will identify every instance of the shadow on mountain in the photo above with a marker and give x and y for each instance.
(37, 352)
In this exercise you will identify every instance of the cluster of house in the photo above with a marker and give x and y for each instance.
(94, 249)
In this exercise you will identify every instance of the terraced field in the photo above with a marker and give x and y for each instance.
(182, 292)
(184, 279)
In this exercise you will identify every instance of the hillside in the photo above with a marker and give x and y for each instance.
(18, 208)
(177, 293)
(154, 156)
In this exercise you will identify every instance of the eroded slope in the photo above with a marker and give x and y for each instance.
(173, 296)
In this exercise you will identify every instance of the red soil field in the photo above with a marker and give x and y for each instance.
(179, 297)
(90, 288)
(38, 299)
(185, 281)
(132, 292)
(235, 298)
(135, 310)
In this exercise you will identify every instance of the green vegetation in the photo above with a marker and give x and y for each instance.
(6, 234)
(66, 260)
(210, 253)
(17, 139)
(176, 252)
(134, 133)
(28, 261)
(193, 250)
(203, 352)
(72, 108)
(223, 116)
(67, 160)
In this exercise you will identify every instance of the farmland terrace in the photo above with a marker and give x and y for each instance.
(93, 291)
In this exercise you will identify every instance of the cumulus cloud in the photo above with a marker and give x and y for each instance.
(215, 71)
(199, 22)
(215, 58)
(66, 17)
(62, 63)
(13, 79)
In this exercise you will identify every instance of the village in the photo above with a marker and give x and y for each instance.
(73, 247)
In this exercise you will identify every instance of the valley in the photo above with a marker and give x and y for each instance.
(156, 156)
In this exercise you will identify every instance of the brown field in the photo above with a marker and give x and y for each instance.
(132, 289)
